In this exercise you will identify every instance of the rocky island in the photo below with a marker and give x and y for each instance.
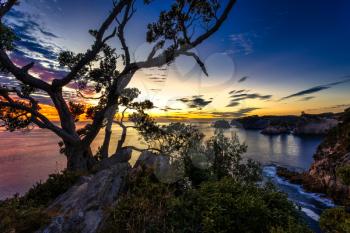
(221, 124)
(305, 124)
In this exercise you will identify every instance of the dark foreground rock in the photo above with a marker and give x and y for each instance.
(83, 207)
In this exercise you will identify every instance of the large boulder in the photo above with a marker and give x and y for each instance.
(162, 167)
(83, 207)
(123, 156)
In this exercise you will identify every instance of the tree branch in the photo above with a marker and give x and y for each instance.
(21, 74)
(7, 7)
(198, 60)
(121, 28)
(44, 121)
(169, 55)
(91, 53)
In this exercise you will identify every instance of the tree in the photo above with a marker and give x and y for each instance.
(187, 24)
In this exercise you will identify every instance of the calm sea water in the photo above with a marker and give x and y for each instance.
(27, 158)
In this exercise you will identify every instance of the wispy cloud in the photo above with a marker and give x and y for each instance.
(236, 96)
(315, 89)
(237, 91)
(307, 98)
(232, 104)
(239, 113)
(243, 79)
(244, 111)
(167, 108)
(242, 43)
(196, 101)
(35, 41)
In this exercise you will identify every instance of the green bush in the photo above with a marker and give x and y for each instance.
(231, 206)
(344, 174)
(335, 220)
(18, 215)
(216, 206)
(142, 209)
(27, 214)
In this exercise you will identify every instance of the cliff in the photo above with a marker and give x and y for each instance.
(315, 124)
(332, 161)
(330, 171)
(305, 124)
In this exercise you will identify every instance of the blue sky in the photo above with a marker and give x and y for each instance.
(284, 47)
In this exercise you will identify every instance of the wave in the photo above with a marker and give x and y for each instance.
(271, 172)
(311, 214)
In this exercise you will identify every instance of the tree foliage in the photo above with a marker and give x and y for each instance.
(336, 220)
(102, 72)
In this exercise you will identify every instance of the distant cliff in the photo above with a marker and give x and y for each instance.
(305, 124)
(318, 124)
(221, 124)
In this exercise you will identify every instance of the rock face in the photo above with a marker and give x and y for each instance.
(222, 124)
(274, 130)
(160, 165)
(332, 154)
(306, 124)
(82, 207)
(252, 122)
(314, 125)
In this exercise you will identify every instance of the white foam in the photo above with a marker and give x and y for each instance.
(311, 214)
(271, 172)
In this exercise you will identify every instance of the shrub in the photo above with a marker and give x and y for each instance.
(231, 206)
(335, 220)
(142, 209)
(344, 174)
(27, 213)
(216, 206)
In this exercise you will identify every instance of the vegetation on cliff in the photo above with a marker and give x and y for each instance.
(335, 220)
(222, 196)
(330, 174)
(28, 213)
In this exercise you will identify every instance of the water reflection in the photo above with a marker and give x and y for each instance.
(28, 158)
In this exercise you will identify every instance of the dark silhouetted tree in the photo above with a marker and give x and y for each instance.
(178, 30)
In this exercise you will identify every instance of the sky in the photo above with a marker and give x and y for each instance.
(270, 57)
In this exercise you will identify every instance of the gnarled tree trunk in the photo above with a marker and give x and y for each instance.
(79, 158)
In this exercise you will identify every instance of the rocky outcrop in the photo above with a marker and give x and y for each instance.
(274, 130)
(160, 165)
(332, 155)
(221, 124)
(306, 124)
(251, 122)
(315, 124)
(83, 207)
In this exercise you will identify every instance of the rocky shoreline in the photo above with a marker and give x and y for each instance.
(330, 172)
